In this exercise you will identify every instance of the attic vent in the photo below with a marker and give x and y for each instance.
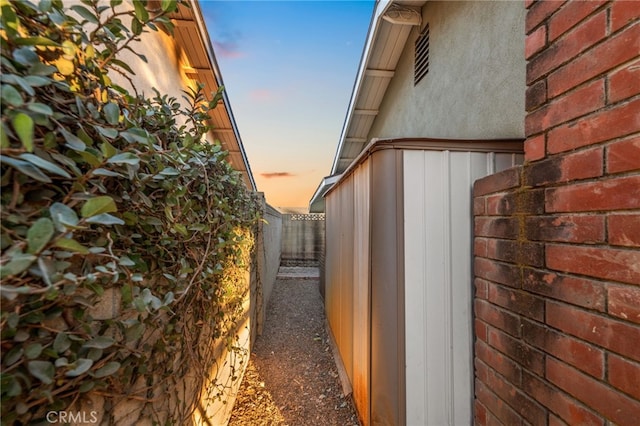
(422, 56)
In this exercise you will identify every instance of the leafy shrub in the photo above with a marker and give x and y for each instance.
(107, 199)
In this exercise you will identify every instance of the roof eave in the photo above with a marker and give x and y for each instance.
(213, 64)
(316, 205)
(367, 70)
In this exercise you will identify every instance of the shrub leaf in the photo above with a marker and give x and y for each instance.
(39, 234)
(98, 205)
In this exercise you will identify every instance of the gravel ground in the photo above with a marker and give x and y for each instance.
(292, 378)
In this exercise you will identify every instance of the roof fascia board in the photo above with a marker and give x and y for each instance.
(323, 188)
(202, 30)
(380, 9)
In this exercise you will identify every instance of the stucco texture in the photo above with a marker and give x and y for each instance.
(476, 81)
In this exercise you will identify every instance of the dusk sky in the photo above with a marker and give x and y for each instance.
(289, 69)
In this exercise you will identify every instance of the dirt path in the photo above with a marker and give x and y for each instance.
(291, 378)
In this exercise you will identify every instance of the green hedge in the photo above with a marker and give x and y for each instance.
(103, 191)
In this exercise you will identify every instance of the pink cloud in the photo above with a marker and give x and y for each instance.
(276, 175)
(262, 95)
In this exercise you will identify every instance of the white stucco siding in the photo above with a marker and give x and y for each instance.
(162, 71)
(476, 81)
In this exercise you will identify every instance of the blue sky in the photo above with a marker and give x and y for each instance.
(289, 68)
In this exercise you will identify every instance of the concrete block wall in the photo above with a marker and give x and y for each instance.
(268, 253)
(302, 239)
(557, 241)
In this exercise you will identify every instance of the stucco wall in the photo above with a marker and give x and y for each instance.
(268, 253)
(163, 69)
(476, 80)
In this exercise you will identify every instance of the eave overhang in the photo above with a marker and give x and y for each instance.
(317, 201)
(191, 35)
(390, 26)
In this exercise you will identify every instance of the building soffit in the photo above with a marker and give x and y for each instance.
(389, 30)
(191, 35)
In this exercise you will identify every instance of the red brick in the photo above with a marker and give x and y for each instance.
(500, 363)
(610, 264)
(624, 229)
(623, 156)
(506, 179)
(497, 317)
(481, 330)
(539, 11)
(575, 290)
(501, 204)
(617, 336)
(478, 206)
(480, 247)
(530, 202)
(610, 194)
(613, 405)
(570, 15)
(520, 252)
(528, 357)
(622, 120)
(614, 51)
(584, 164)
(555, 421)
(566, 228)
(623, 13)
(624, 302)
(517, 301)
(624, 83)
(580, 102)
(535, 95)
(625, 375)
(575, 352)
(493, 420)
(529, 3)
(497, 227)
(570, 410)
(482, 288)
(535, 148)
(481, 370)
(535, 42)
(521, 403)
(495, 405)
(479, 413)
(567, 48)
(498, 272)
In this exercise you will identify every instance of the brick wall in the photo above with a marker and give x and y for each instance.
(557, 241)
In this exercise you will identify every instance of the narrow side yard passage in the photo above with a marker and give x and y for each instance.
(292, 378)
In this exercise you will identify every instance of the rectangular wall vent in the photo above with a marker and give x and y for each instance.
(422, 56)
